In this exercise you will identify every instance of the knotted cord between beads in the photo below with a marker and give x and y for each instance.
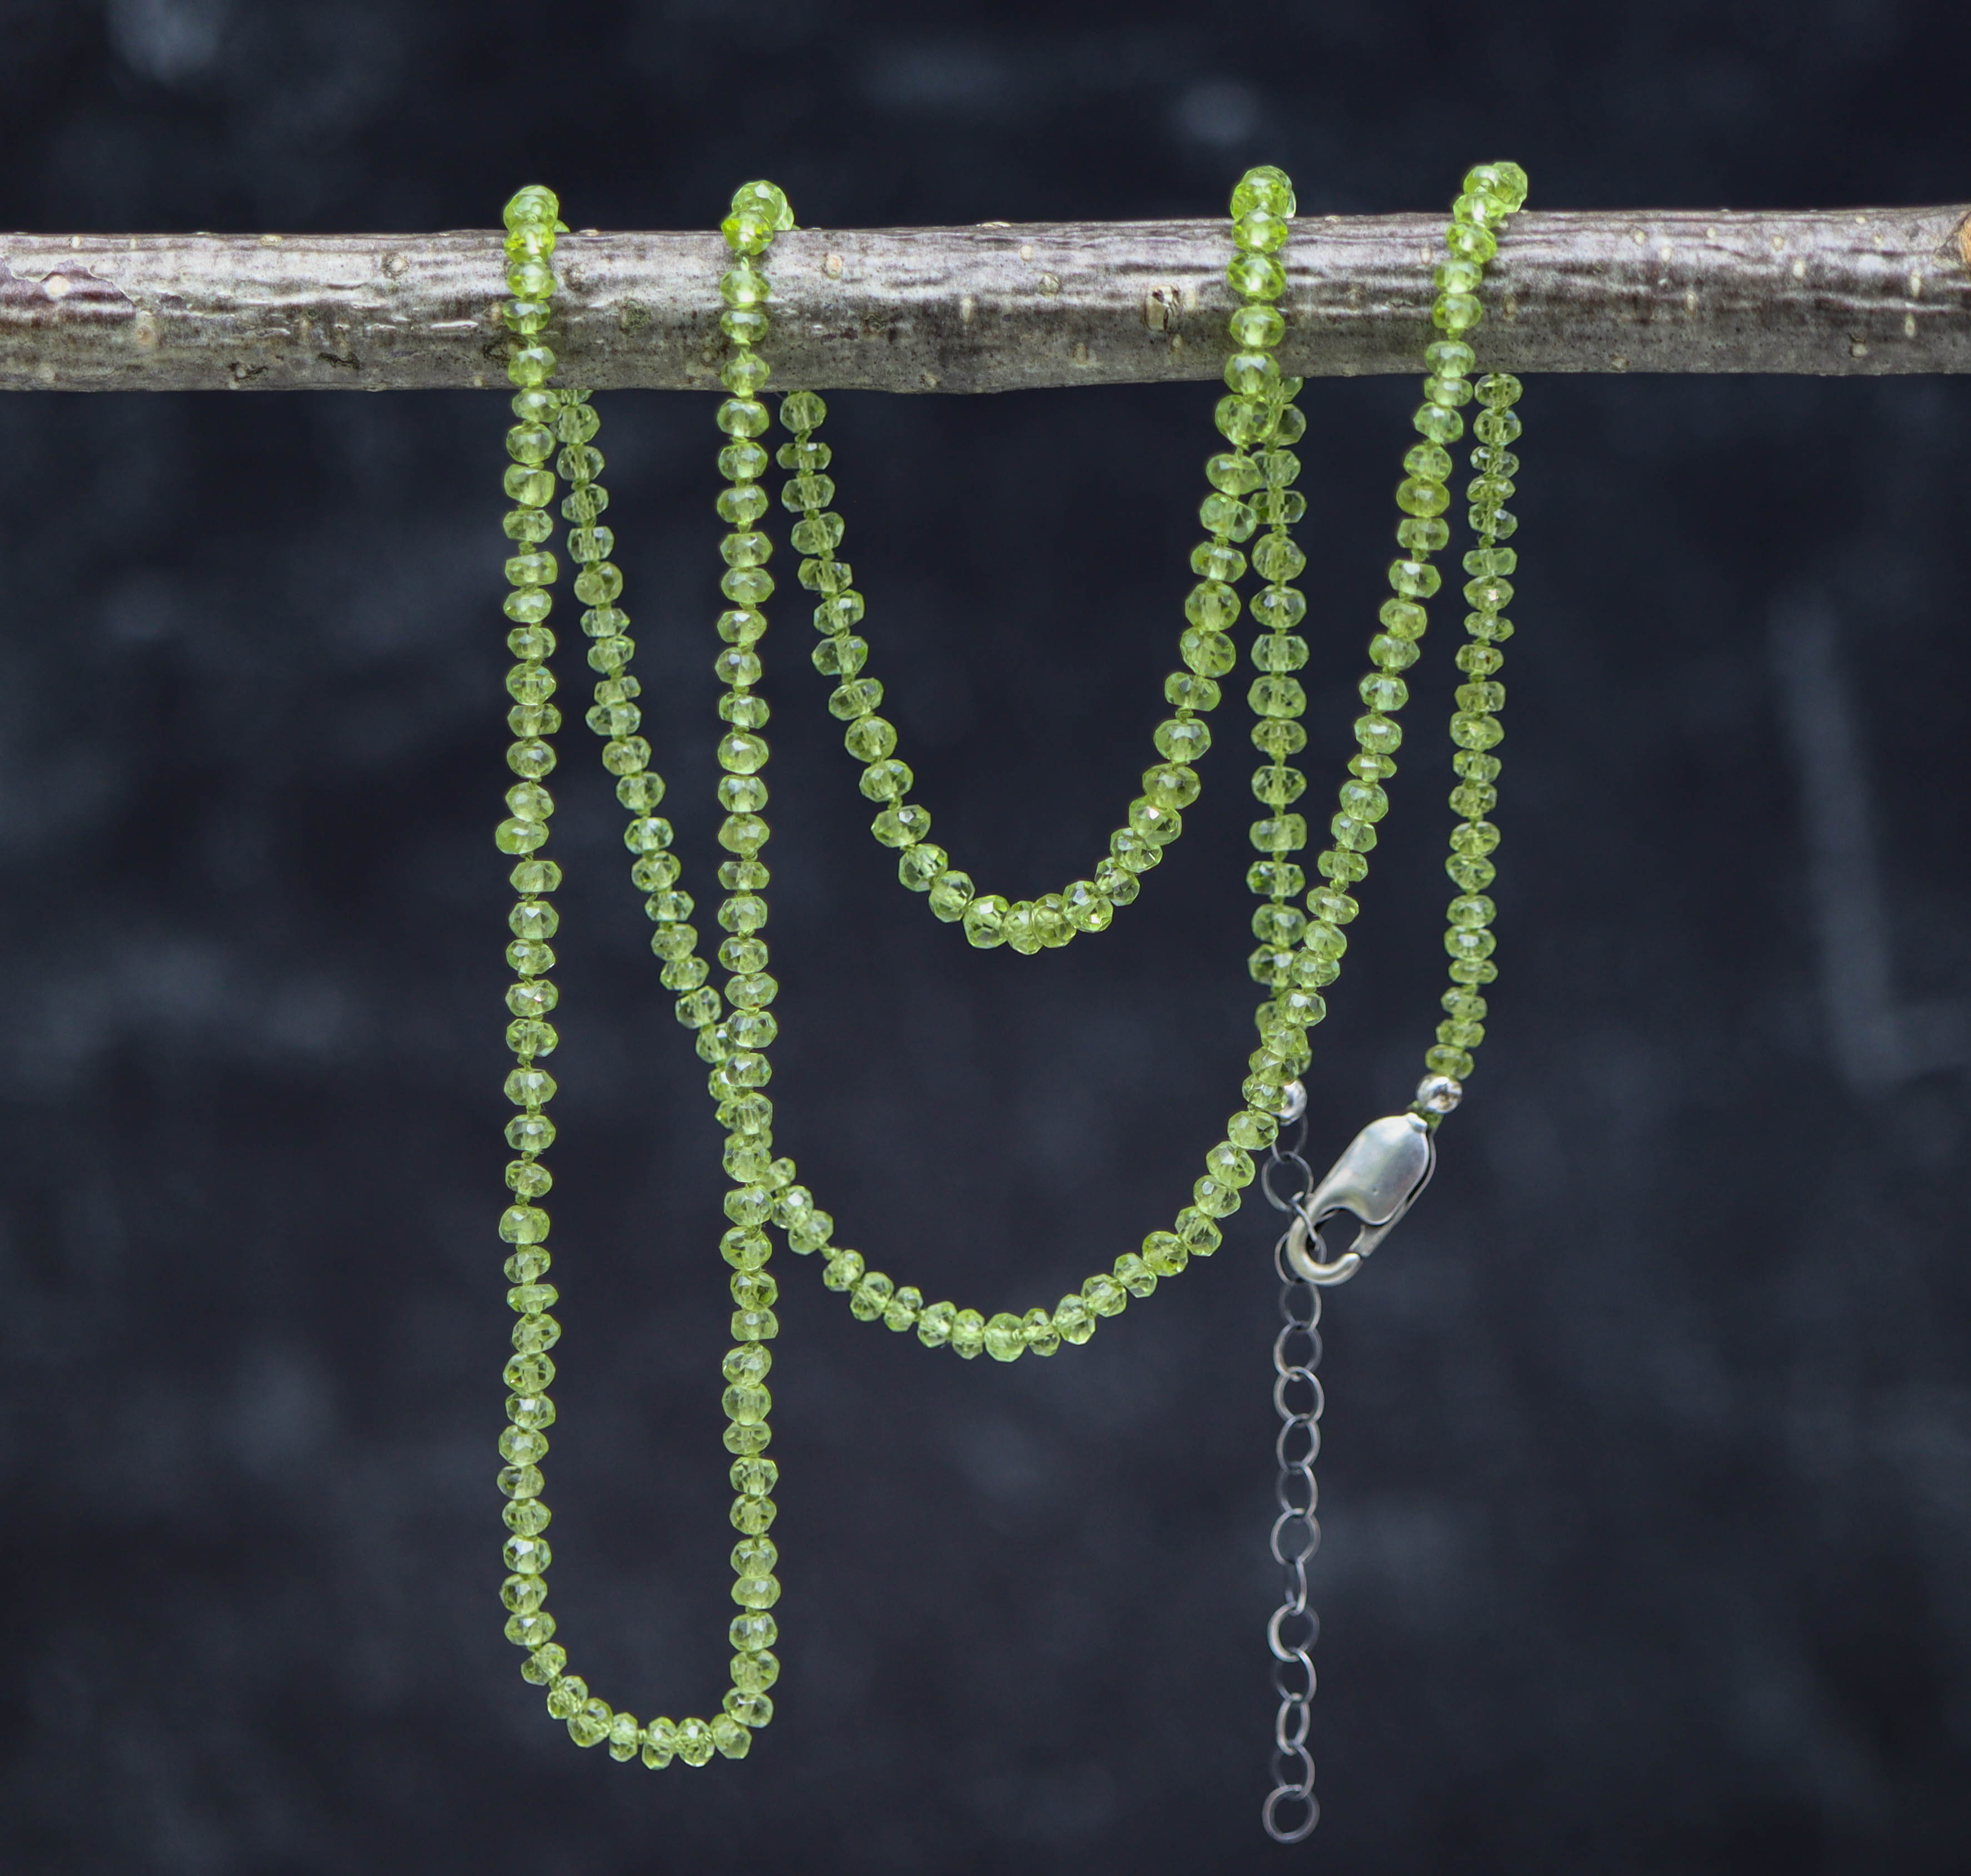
(1259, 410)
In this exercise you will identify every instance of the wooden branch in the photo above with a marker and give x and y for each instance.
(990, 308)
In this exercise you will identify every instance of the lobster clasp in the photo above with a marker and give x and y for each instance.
(1376, 1180)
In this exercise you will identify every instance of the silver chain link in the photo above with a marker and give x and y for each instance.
(1291, 1810)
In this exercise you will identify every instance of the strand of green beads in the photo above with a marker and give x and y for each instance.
(1423, 498)
(1258, 409)
(590, 1720)
(1261, 205)
(531, 226)
(1477, 732)
(1493, 193)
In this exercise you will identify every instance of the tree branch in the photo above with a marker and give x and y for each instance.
(990, 308)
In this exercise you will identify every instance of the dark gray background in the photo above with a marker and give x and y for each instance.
(1648, 1484)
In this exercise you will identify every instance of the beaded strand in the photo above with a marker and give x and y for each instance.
(1259, 410)
(1257, 413)
(1477, 731)
(735, 1029)
(546, 416)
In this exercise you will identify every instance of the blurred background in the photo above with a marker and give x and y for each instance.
(1647, 1478)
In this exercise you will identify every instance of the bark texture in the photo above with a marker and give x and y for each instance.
(989, 308)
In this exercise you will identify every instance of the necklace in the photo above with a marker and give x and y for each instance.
(1299, 952)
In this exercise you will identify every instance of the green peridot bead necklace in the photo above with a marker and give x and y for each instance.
(1252, 500)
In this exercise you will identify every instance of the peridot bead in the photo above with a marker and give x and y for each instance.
(1004, 1341)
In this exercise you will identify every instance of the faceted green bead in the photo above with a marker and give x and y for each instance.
(1253, 277)
(1157, 824)
(754, 1673)
(1257, 328)
(1257, 233)
(986, 920)
(747, 1365)
(1037, 1332)
(1280, 652)
(1231, 1163)
(870, 739)
(1164, 1253)
(1277, 559)
(901, 826)
(1004, 1342)
(1050, 922)
(1251, 374)
(802, 410)
(544, 1667)
(843, 1270)
(1215, 1198)
(1275, 876)
(919, 867)
(1085, 908)
(1185, 690)
(751, 1634)
(1115, 882)
(1474, 730)
(1266, 190)
(1471, 243)
(950, 894)
(625, 1737)
(566, 1696)
(1210, 653)
(1279, 737)
(1439, 425)
(968, 1333)
(1073, 1320)
(1106, 1296)
(1378, 734)
(870, 1296)
(903, 1309)
(1278, 787)
(1277, 925)
(591, 1726)
(1213, 606)
(1226, 514)
(1171, 785)
(760, 1591)
(1019, 929)
(1233, 473)
(693, 1742)
(934, 1324)
(1198, 1233)
(1282, 833)
(1134, 1275)
(1469, 945)
(523, 1594)
(1414, 579)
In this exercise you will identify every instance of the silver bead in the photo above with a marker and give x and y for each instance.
(1438, 1094)
(1294, 1102)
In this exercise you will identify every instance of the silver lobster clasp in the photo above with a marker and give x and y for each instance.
(1376, 1180)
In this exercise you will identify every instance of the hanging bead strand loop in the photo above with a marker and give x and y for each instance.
(548, 416)
(1257, 411)
(1493, 192)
